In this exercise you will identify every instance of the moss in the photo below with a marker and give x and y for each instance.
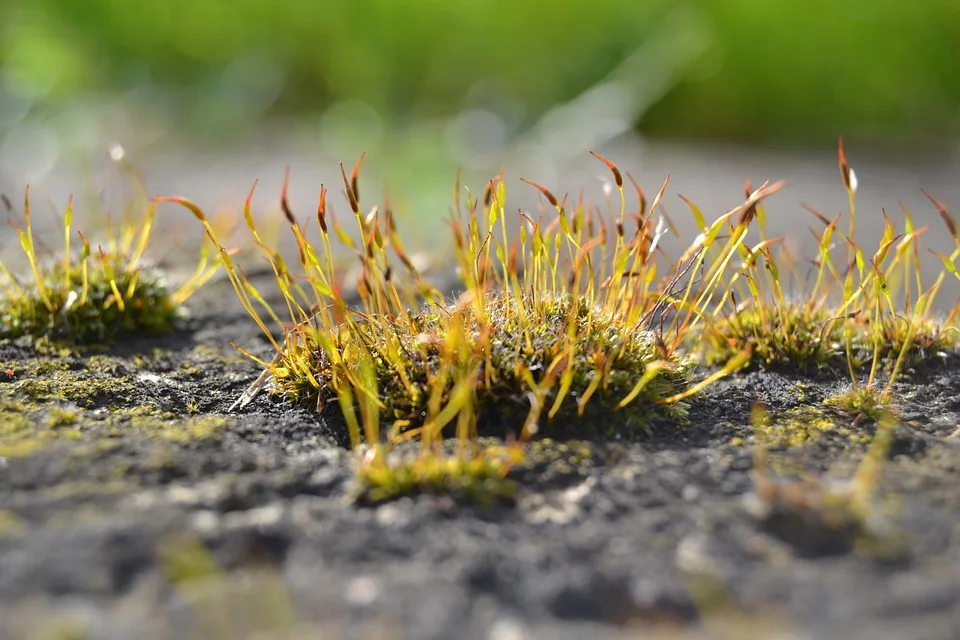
(476, 478)
(13, 421)
(806, 424)
(524, 335)
(148, 306)
(95, 399)
(181, 430)
(49, 366)
(796, 337)
(11, 524)
(795, 427)
(20, 435)
(550, 458)
(60, 417)
(24, 445)
(109, 365)
(861, 402)
(85, 391)
(191, 371)
(215, 354)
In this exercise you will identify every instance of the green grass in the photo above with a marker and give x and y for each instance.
(888, 69)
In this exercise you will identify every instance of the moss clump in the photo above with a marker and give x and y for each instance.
(181, 430)
(799, 337)
(564, 325)
(148, 306)
(61, 417)
(791, 336)
(515, 335)
(95, 297)
(78, 388)
(795, 427)
(476, 478)
(862, 403)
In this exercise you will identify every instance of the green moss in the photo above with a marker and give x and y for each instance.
(19, 435)
(795, 337)
(477, 478)
(11, 524)
(181, 430)
(806, 424)
(83, 390)
(148, 306)
(861, 402)
(523, 335)
(550, 458)
(49, 366)
(109, 365)
(95, 399)
(59, 417)
(191, 370)
(13, 421)
(795, 427)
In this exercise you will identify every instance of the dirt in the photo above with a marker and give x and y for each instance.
(133, 504)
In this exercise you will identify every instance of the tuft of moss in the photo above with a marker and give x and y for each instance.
(98, 295)
(564, 324)
(794, 336)
(795, 427)
(521, 335)
(148, 307)
(789, 336)
(862, 403)
(476, 478)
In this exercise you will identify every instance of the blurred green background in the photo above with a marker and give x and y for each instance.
(783, 72)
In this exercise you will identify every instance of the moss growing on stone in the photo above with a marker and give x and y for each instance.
(500, 347)
(95, 295)
(794, 336)
(478, 477)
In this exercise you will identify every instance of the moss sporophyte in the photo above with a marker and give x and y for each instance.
(93, 295)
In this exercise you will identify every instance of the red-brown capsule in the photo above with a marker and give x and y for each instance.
(552, 199)
(945, 214)
(351, 197)
(488, 195)
(844, 167)
(617, 178)
(322, 209)
(355, 176)
(284, 203)
(640, 196)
